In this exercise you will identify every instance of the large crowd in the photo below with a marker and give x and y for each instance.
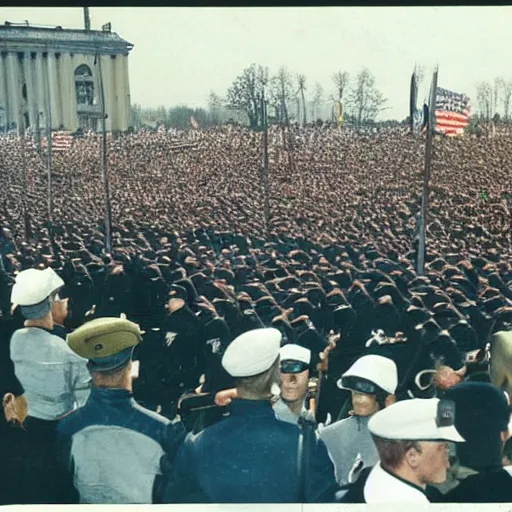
(195, 264)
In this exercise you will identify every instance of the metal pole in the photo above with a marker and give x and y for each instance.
(265, 161)
(108, 215)
(49, 154)
(426, 178)
(21, 132)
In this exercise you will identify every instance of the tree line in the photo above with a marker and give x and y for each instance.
(494, 99)
(285, 93)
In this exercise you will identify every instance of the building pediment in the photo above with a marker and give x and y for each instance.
(27, 38)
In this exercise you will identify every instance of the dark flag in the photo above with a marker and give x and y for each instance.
(412, 100)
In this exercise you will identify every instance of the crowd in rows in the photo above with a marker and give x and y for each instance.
(196, 264)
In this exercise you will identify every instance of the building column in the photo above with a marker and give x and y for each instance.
(67, 87)
(127, 97)
(122, 118)
(54, 97)
(14, 92)
(71, 93)
(3, 95)
(106, 69)
(42, 109)
(31, 90)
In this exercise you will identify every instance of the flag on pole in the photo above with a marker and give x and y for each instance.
(412, 101)
(452, 112)
(61, 141)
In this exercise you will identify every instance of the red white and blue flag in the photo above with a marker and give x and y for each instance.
(452, 112)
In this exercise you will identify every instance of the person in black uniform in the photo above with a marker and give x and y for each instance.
(250, 456)
(482, 418)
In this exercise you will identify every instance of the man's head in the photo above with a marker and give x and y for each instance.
(483, 416)
(253, 360)
(412, 439)
(294, 373)
(108, 344)
(372, 380)
(34, 292)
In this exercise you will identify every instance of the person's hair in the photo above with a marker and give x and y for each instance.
(392, 451)
(111, 378)
(258, 386)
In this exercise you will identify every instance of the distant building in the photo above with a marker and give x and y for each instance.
(55, 71)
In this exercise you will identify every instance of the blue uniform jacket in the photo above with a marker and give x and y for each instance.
(112, 447)
(248, 457)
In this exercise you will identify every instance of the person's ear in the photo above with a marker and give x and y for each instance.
(9, 406)
(390, 400)
(412, 457)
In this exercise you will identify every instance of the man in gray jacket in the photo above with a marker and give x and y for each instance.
(372, 379)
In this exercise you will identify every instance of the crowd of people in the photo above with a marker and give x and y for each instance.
(254, 334)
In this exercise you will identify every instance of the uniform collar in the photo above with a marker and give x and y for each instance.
(384, 487)
(110, 395)
(243, 407)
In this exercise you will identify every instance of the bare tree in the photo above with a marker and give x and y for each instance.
(341, 81)
(301, 79)
(245, 92)
(318, 95)
(366, 100)
(505, 95)
(485, 98)
(215, 103)
(281, 92)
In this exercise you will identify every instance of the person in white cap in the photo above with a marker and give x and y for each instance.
(250, 456)
(372, 379)
(294, 378)
(412, 440)
(55, 379)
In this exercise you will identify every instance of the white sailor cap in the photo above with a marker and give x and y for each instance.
(252, 353)
(33, 286)
(294, 358)
(419, 419)
(369, 372)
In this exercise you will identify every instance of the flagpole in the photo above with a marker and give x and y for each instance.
(49, 149)
(265, 161)
(21, 132)
(108, 215)
(426, 177)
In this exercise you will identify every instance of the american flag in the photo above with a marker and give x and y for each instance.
(61, 141)
(452, 112)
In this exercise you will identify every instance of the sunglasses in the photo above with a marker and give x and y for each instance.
(292, 366)
(359, 385)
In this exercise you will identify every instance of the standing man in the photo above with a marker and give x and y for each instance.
(483, 416)
(250, 456)
(412, 440)
(112, 446)
(55, 379)
(294, 378)
(372, 379)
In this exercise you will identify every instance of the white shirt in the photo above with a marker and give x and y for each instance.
(55, 379)
(383, 487)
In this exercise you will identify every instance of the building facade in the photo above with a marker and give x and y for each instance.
(55, 75)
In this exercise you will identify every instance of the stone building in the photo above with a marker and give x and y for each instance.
(56, 74)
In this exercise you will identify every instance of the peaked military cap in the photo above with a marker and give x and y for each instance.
(106, 342)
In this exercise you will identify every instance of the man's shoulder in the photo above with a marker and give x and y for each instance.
(485, 487)
(135, 418)
(336, 427)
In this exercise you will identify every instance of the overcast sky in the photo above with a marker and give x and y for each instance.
(181, 54)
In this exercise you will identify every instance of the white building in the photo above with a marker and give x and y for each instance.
(56, 72)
